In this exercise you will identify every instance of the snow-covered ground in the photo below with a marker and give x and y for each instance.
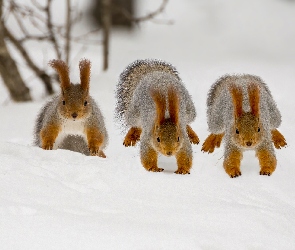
(65, 200)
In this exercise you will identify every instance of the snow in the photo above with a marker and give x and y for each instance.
(64, 200)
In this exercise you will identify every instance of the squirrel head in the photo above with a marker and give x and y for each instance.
(166, 136)
(74, 98)
(247, 130)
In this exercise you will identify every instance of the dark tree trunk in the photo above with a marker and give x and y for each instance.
(12, 79)
(106, 26)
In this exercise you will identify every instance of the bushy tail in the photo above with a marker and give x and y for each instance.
(130, 78)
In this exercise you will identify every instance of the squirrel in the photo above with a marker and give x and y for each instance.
(72, 120)
(154, 104)
(241, 109)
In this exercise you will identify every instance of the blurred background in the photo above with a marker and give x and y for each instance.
(195, 35)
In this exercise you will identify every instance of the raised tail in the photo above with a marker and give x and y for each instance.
(131, 77)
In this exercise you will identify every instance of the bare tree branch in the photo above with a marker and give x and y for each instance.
(149, 16)
(106, 26)
(50, 29)
(9, 71)
(68, 32)
(40, 73)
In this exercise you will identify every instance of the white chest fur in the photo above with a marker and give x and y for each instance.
(70, 127)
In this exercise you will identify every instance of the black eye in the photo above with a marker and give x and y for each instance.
(85, 103)
(258, 129)
(178, 138)
(158, 139)
(63, 102)
(237, 131)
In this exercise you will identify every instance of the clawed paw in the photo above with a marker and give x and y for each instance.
(48, 146)
(194, 140)
(212, 142)
(280, 143)
(181, 171)
(278, 139)
(156, 169)
(129, 142)
(97, 152)
(234, 173)
(265, 172)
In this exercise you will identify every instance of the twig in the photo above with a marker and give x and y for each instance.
(68, 32)
(40, 73)
(149, 16)
(50, 28)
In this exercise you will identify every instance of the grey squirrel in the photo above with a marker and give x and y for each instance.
(153, 103)
(72, 120)
(241, 109)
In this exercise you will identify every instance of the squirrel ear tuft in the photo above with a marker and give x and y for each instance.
(160, 102)
(254, 98)
(85, 68)
(173, 102)
(237, 97)
(63, 71)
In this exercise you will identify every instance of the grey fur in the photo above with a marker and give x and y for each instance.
(220, 110)
(135, 106)
(51, 113)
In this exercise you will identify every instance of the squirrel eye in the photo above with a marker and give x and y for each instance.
(63, 102)
(237, 131)
(158, 139)
(85, 103)
(258, 129)
(178, 138)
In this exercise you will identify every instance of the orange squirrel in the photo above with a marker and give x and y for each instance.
(156, 107)
(242, 110)
(72, 120)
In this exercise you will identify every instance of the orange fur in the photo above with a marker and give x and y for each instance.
(48, 135)
(132, 136)
(160, 103)
(267, 162)
(150, 161)
(254, 99)
(173, 101)
(232, 164)
(237, 96)
(212, 142)
(85, 67)
(278, 139)
(94, 139)
(193, 137)
(184, 162)
(63, 72)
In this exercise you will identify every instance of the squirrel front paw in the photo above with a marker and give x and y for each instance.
(278, 139)
(193, 137)
(132, 137)
(212, 142)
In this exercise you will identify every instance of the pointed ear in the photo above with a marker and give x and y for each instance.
(85, 66)
(63, 71)
(173, 102)
(160, 103)
(254, 98)
(237, 97)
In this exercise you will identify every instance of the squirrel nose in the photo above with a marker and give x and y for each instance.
(74, 115)
(248, 143)
(169, 153)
